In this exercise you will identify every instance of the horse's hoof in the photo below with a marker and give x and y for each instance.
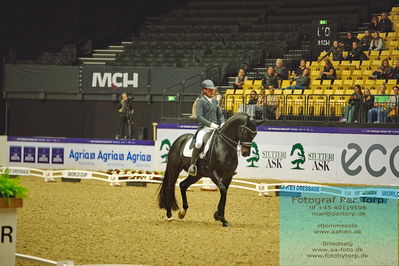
(170, 219)
(217, 216)
(226, 224)
(182, 214)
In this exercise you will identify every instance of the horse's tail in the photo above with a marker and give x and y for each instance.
(166, 196)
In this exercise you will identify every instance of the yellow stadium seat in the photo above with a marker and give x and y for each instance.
(395, 9)
(308, 63)
(385, 54)
(297, 91)
(285, 92)
(345, 54)
(285, 83)
(278, 91)
(257, 82)
(391, 81)
(356, 73)
(359, 82)
(339, 90)
(360, 35)
(393, 44)
(379, 82)
(376, 63)
(369, 83)
(330, 90)
(348, 82)
(356, 63)
(346, 74)
(315, 83)
(318, 90)
(308, 91)
(367, 73)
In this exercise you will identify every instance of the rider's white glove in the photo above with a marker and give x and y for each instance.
(214, 126)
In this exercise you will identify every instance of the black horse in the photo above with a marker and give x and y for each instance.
(220, 163)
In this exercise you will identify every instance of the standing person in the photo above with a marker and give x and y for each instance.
(240, 79)
(385, 24)
(126, 110)
(336, 51)
(209, 116)
(381, 107)
(374, 23)
(393, 114)
(270, 79)
(281, 70)
(377, 43)
(368, 103)
(352, 109)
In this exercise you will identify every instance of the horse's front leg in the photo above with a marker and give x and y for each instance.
(223, 185)
(184, 185)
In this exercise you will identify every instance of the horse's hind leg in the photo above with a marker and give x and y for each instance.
(184, 185)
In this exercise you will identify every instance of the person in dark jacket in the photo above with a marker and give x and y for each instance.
(356, 53)
(270, 79)
(328, 72)
(336, 52)
(373, 23)
(352, 109)
(385, 24)
(302, 82)
(347, 42)
(365, 40)
(367, 104)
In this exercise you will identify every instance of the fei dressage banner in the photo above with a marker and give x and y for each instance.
(85, 154)
(312, 154)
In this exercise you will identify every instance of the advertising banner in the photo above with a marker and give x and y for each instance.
(85, 154)
(114, 79)
(311, 154)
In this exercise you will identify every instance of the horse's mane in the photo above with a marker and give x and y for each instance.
(238, 116)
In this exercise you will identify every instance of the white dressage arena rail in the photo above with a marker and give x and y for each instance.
(263, 189)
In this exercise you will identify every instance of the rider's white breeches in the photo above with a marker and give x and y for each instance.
(200, 136)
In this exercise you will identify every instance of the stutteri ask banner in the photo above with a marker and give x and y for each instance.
(85, 154)
(312, 154)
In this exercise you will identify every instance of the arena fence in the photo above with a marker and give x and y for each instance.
(263, 189)
(312, 107)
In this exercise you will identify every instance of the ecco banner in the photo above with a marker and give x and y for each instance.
(85, 154)
(325, 155)
(114, 79)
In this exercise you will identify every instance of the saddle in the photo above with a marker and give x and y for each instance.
(188, 148)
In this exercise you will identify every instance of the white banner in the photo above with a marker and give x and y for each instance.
(310, 154)
(85, 154)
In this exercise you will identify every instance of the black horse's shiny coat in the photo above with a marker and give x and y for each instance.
(222, 161)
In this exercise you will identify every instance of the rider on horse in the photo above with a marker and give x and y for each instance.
(210, 117)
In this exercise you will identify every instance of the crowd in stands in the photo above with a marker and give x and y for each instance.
(353, 67)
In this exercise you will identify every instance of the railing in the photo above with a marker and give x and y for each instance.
(314, 108)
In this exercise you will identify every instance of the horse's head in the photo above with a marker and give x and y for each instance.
(247, 134)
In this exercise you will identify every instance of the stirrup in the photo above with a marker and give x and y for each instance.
(192, 170)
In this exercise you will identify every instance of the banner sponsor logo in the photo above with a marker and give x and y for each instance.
(351, 164)
(115, 80)
(164, 150)
(29, 154)
(254, 155)
(109, 156)
(77, 174)
(321, 161)
(298, 156)
(274, 159)
(43, 155)
(15, 153)
(57, 155)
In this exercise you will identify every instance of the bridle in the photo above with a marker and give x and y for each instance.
(233, 143)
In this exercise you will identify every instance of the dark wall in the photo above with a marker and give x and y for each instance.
(80, 119)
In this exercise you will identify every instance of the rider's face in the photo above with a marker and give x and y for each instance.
(209, 92)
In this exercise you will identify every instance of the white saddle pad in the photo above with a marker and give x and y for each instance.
(187, 152)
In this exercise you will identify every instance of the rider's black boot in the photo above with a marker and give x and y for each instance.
(193, 168)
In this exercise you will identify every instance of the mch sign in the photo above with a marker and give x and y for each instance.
(115, 80)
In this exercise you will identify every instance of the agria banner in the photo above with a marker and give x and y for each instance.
(313, 154)
(86, 154)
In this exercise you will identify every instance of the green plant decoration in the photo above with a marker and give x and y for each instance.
(11, 187)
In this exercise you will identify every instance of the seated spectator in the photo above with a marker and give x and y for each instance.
(302, 82)
(240, 79)
(385, 24)
(383, 71)
(377, 43)
(281, 71)
(373, 23)
(302, 66)
(253, 98)
(352, 109)
(368, 103)
(336, 51)
(328, 72)
(394, 114)
(270, 103)
(347, 42)
(395, 71)
(381, 107)
(270, 79)
(356, 53)
(366, 40)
